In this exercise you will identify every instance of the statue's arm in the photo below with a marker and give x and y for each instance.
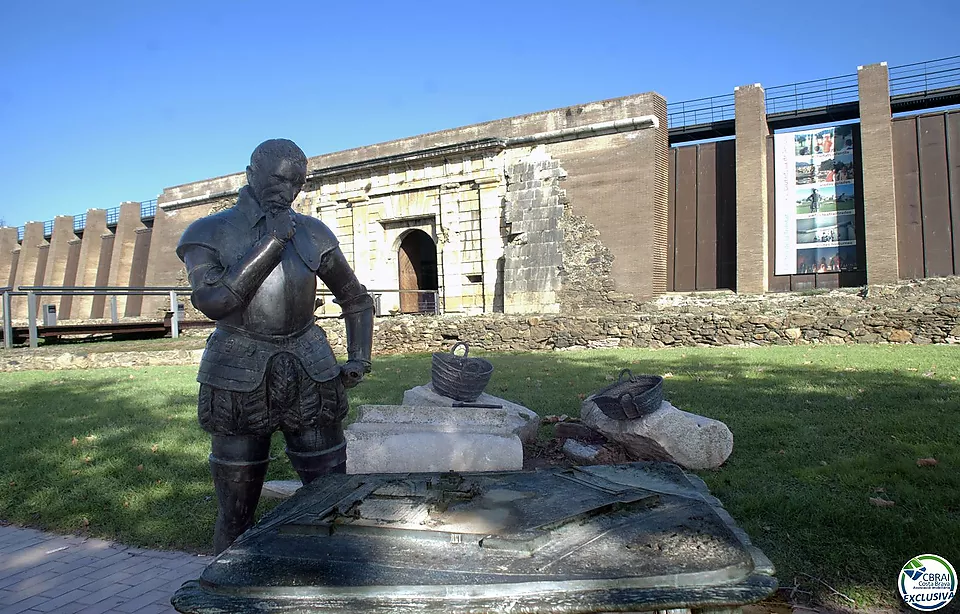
(219, 290)
(355, 302)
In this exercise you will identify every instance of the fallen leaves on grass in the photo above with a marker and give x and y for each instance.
(926, 462)
(74, 441)
(154, 448)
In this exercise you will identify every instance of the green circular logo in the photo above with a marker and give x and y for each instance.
(927, 582)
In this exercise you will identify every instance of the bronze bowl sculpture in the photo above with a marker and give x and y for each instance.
(460, 377)
(635, 397)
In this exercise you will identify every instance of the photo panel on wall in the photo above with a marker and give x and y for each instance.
(806, 171)
(816, 199)
(823, 142)
(843, 139)
(843, 168)
(817, 229)
(826, 259)
(844, 197)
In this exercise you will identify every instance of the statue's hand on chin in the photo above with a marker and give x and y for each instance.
(281, 223)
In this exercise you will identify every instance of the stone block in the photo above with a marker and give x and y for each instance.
(402, 438)
(518, 419)
(668, 434)
(581, 453)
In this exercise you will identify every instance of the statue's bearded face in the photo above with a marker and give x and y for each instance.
(277, 182)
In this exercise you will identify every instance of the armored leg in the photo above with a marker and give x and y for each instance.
(317, 451)
(239, 465)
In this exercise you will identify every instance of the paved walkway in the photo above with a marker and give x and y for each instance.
(41, 572)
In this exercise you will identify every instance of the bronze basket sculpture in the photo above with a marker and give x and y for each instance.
(635, 397)
(460, 377)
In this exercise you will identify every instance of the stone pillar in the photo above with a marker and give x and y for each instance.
(450, 244)
(752, 212)
(163, 265)
(876, 155)
(27, 266)
(361, 242)
(9, 243)
(89, 261)
(125, 240)
(492, 243)
(55, 274)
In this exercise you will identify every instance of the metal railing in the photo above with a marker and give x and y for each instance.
(700, 111)
(32, 292)
(428, 302)
(812, 94)
(148, 209)
(925, 77)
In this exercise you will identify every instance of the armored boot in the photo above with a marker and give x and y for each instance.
(317, 452)
(238, 484)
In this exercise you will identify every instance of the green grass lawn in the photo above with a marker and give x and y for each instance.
(819, 431)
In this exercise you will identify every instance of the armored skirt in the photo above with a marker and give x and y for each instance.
(254, 385)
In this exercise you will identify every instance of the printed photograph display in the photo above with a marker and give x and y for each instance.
(816, 224)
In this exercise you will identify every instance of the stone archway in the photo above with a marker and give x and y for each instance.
(417, 260)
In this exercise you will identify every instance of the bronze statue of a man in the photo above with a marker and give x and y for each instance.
(253, 268)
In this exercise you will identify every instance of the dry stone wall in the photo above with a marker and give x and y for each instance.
(919, 312)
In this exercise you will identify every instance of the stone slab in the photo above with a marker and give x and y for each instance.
(522, 421)
(280, 489)
(377, 449)
(668, 434)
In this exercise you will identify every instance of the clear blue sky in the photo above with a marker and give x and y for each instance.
(106, 101)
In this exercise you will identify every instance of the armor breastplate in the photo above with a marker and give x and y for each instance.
(284, 303)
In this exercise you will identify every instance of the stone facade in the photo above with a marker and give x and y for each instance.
(490, 199)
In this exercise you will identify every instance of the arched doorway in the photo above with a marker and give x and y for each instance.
(417, 258)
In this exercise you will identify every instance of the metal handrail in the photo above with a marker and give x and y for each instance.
(925, 77)
(812, 94)
(700, 111)
(148, 209)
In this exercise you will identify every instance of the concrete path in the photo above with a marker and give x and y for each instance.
(55, 574)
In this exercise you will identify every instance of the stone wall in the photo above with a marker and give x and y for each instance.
(920, 312)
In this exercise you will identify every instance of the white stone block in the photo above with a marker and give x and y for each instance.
(520, 420)
(403, 438)
(668, 434)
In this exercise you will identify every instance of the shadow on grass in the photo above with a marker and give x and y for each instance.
(819, 432)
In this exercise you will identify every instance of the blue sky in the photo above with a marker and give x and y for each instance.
(102, 101)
